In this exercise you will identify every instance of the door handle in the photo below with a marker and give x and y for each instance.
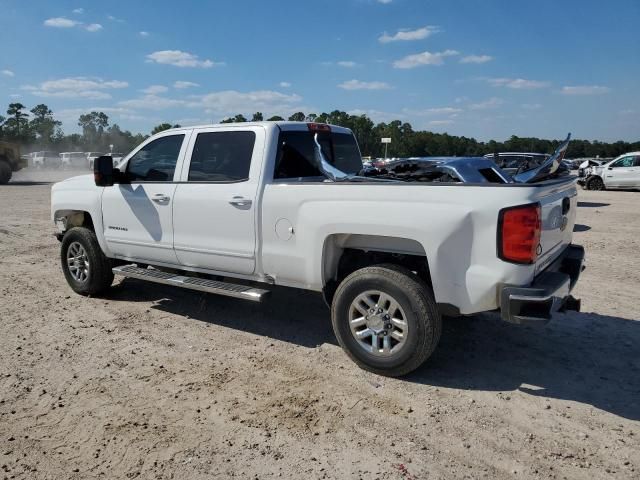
(239, 201)
(160, 198)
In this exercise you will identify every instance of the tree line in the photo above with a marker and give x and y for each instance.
(37, 129)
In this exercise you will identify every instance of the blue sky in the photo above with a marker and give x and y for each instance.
(479, 68)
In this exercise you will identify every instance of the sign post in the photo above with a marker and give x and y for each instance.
(386, 141)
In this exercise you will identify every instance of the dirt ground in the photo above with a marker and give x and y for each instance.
(152, 382)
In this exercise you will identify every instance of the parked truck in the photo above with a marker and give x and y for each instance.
(10, 161)
(233, 209)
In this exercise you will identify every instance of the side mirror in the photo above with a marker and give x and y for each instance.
(103, 171)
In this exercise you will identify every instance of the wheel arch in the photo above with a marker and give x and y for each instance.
(74, 218)
(345, 253)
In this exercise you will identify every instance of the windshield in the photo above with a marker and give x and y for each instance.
(296, 154)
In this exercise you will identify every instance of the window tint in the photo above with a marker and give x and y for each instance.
(296, 154)
(157, 160)
(637, 162)
(222, 156)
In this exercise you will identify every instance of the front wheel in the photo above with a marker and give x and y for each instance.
(86, 268)
(386, 320)
(595, 183)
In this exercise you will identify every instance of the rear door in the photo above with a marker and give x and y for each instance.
(137, 216)
(216, 201)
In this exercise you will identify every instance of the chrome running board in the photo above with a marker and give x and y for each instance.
(192, 283)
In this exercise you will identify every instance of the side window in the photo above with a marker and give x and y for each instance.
(623, 162)
(156, 161)
(295, 156)
(637, 162)
(222, 157)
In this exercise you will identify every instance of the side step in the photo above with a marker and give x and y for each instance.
(192, 283)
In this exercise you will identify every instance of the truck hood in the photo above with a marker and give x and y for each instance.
(80, 182)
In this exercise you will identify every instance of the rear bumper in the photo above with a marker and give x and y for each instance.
(550, 291)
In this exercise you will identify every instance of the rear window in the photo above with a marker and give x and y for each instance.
(222, 157)
(296, 154)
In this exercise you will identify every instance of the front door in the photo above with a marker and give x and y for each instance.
(619, 174)
(137, 215)
(216, 202)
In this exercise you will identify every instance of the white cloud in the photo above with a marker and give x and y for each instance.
(60, 22)
(76, 87)
(385, 2)
(7, 73)
(424, 58)
(285, 84)
(531, 106)
(152, 102)
(347, 64)
(492, 102)
(154, 89)
(181, 84)
(436, 123)
(78, 11)
(143, 34)
(518, 83)
(585, 90)
(476, 59)
(433, 111)
(115, 19)
(179, 58)
(230, 102)
(360, 85)
(15, 95)
(409, 35)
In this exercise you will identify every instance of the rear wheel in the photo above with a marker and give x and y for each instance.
(386, 319)
(86, 268)
(5, 172)
(595, 183)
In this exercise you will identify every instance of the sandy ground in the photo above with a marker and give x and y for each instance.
(152, 382)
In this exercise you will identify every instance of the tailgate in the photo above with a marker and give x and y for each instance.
(558, 210)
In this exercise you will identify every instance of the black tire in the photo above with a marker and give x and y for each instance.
(5, 172)
(99, 277)
(595, 183)
(416, 300)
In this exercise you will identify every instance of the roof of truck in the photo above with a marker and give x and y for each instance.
(283, 125)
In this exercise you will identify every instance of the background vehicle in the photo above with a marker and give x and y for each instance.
(10, 161)
(516, 162)
(73, 160)
(91, 156)
(281, 203)
(622, 172)
(46, 159)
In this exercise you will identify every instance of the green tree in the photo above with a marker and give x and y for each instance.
(297, 117)
(17, 124)
(43, 125)
(257, 117)
(275, 118)
(162, 127)
(237, 119)
(93, 126)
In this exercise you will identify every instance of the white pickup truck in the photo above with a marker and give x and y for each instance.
(231, 209)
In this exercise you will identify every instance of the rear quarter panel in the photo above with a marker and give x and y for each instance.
(455, 224)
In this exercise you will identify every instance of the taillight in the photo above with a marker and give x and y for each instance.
(318, 127)
(519, 231)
